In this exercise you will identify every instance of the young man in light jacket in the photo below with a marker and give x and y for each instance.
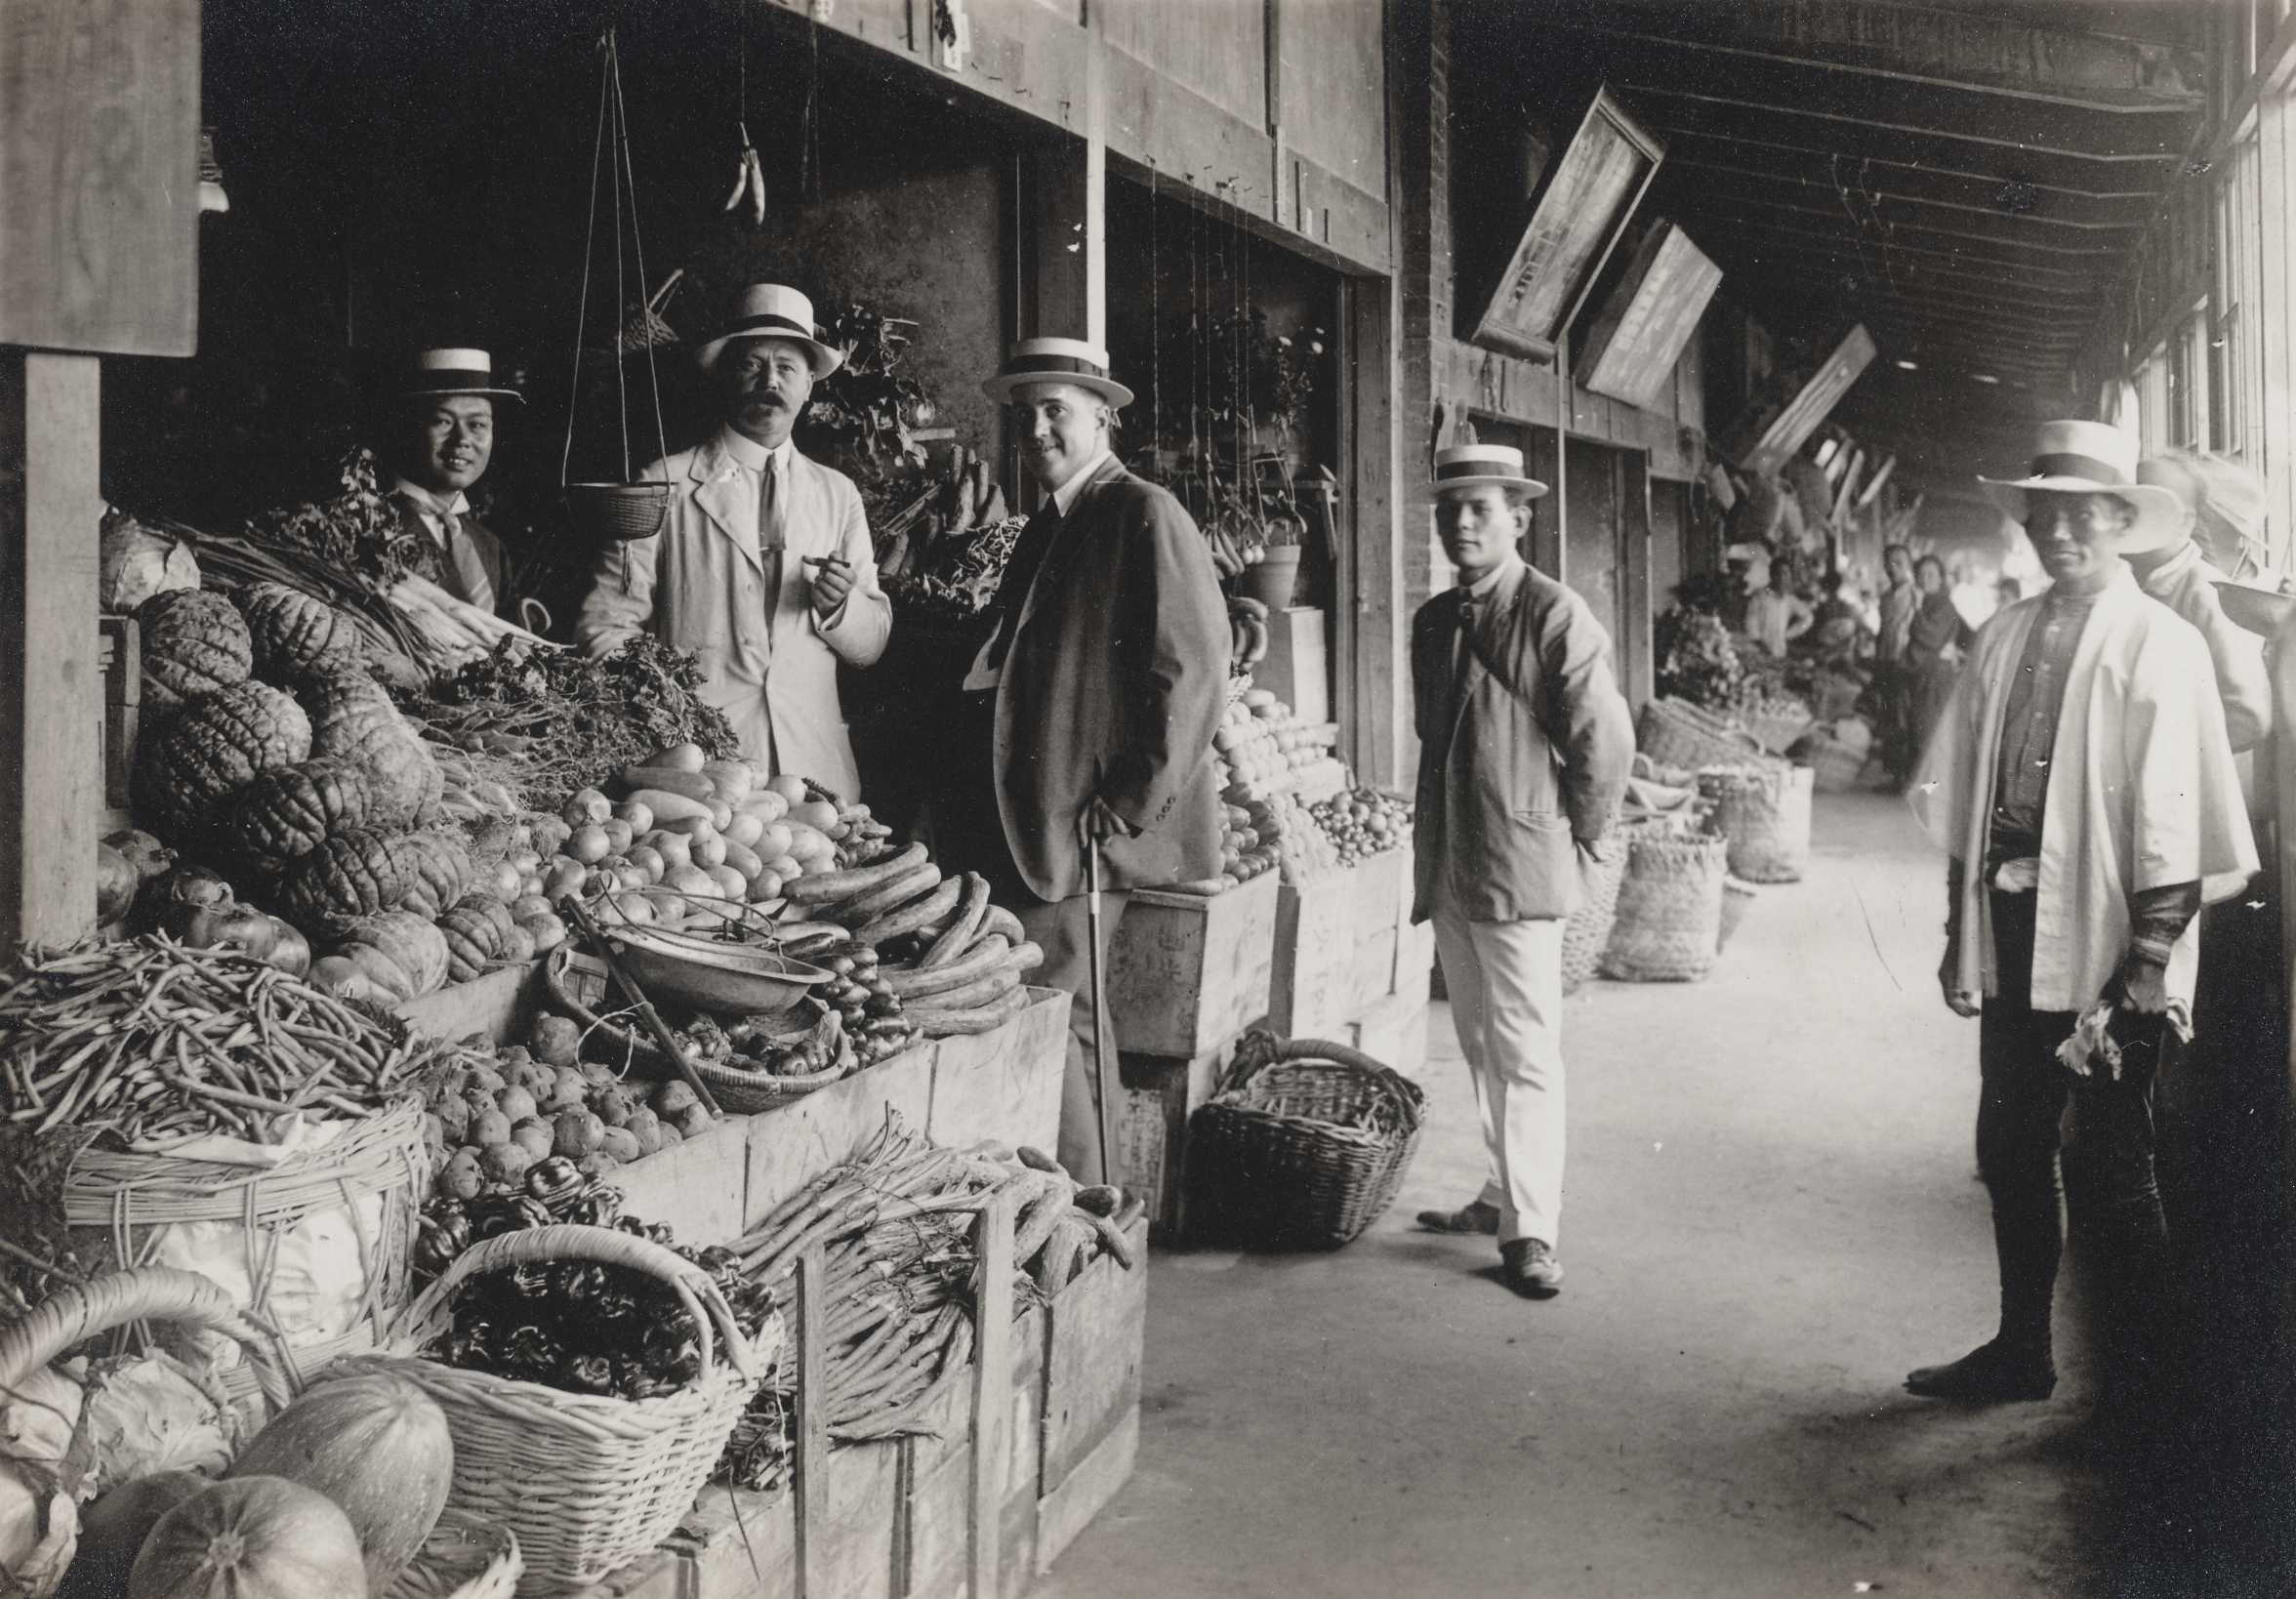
(764, 567)
(1525, 744)
(2082, 784)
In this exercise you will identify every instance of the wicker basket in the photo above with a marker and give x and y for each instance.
(1737, 898)
(584, 1481)
(78, 1312)
(1305, 1143)
(1669, 917)
(617, 513)
(346, 1206)
(1765, 815)
(1590, 926)
(465, 1557)
(1677, 733)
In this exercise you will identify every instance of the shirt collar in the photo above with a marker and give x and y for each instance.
(1066, 494)
(1492, 579)
(434, 505)
(748, 452)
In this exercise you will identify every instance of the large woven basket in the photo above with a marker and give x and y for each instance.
(1589, 929)
(1764, 812)
(584, 1481)
(1669, 919)
(343, 1209)
(1677, 733)
(465, 1557)
(141, 1294)
(1305, 1143)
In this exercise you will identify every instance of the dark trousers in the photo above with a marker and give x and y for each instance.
(970, 833)
(2020, 1130)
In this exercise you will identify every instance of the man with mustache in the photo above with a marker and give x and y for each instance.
(1087, 716)
(440, 441)
(2083, 785)
(764, 568)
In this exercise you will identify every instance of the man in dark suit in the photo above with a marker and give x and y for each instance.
(1525, 746)
(440, 439)
(1089, 714)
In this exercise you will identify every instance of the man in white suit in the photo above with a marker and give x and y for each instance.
(764, 568)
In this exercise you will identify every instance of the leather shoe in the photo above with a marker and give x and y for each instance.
(1529, 1266)
(1991, 1374)
(1477, 1217)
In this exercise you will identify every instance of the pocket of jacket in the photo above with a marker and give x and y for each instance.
(1542, 820)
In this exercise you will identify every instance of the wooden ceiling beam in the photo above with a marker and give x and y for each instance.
(1990, 53)
(1858, 191)
(2164, 151)
(1877, 257)
(2012, 232)
(1958, 172)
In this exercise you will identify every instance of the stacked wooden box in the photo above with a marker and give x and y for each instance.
(1350, 967)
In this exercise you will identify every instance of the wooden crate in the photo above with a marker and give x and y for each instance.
(1296, 667)
(119, 655)
(1003, 1085)
(1188, 970)
(1314, 984)
(498, 1003)
(696, 1188)
(1393, 1033)
(808, 1135)
(1159, 1095)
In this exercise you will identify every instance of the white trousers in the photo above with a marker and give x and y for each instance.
(1505, 980)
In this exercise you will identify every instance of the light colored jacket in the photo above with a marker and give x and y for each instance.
(1524, 761)
(699, 585)
(2185, 582)
(2141, 793)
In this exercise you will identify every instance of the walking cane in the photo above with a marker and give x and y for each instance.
(1102, 1095)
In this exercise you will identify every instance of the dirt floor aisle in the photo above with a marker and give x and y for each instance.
(1771, 1215)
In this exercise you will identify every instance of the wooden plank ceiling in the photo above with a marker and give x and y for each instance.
(1968, 180)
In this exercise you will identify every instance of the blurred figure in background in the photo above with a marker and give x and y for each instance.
(1776, 616)
(2178, 573)
(1935, 642)
(1900, 597)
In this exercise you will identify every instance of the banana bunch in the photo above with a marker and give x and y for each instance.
(749, 178)
(1225, 556)
(1247, 627)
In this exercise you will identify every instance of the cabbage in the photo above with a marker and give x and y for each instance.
(137, 562)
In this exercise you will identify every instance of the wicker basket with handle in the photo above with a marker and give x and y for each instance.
(1305, 1143)
(584, 1481)
(1765, 815)
(79, 1311)
(1670, 921)
(1677, 733)
(465, 1557)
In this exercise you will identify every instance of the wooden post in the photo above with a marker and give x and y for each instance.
(811, 1466)
(992, 1392)
(51, 687)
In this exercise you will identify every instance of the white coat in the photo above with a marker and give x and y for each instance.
(2142, 792)
(699, 585)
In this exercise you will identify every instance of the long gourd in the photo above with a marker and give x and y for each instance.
(828, 887)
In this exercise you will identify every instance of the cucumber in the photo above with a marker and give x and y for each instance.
(693, 785)
(670, 808)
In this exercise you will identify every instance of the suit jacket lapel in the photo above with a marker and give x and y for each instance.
(1068, 539)
(1499, 604)
(720, 489)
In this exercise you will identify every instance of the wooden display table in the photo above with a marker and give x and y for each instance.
(1189, 971)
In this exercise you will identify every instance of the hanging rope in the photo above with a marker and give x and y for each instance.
(1155, 329)
(638, 251)
(582, 312)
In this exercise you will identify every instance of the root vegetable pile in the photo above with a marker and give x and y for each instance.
(153, 1040)
(1363, 823)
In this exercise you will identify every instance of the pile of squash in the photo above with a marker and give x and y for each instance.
(269, 753)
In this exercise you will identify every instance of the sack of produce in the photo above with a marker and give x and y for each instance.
(1764, 812)
(1669, 915)
(198, 1110)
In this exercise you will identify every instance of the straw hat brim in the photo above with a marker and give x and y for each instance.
(2160, 512)
(1001, 386)
(443, 393)
(825, 361)
(1532, 488)
(2259, 610)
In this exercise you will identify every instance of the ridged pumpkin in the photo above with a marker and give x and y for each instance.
(297, 636)
(113, 1529)
(291, 811)
(352, 875)
(252, 1538)
(474, 928)
(194, 644)
(213, 749)
(379, 1447)
(410, 942)
(352, 720)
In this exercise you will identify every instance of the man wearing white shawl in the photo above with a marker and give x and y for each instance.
(2083, 785)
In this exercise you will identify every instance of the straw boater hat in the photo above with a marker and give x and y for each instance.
(770, 310)
(2095, 458)
(434, 374)
(1480, 466)
(1058, 360)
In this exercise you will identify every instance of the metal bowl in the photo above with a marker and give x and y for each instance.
(729, 979)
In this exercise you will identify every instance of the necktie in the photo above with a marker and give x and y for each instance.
(1461, 648)
(1020, 575)
(468, 570)
(772, 541)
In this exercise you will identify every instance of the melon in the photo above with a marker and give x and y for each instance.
(251, 1538)
(115, 1528)
(375, 1444)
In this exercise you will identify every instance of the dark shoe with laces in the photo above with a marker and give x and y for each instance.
(1528, 1265)
(1477, 1217)
(1993, 1374)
